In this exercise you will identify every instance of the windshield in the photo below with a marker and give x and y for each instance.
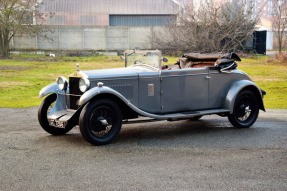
(143, 58)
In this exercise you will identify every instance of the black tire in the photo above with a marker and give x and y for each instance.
(245, 110)
(100, 121)
(195, 118)
(43, 112)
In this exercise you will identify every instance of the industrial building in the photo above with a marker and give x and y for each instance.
(99, 24)
(110, 12)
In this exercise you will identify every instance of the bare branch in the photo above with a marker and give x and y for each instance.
(279, 23)
(210, 28)
(16, 17)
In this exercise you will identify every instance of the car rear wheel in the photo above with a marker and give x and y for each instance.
(100, 121)
(245, 110)
(43, 112)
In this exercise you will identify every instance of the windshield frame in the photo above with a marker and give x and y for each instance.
(130, 52)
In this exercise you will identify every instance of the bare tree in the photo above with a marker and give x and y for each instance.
(280, 22)
(210, 28)
(17, 17)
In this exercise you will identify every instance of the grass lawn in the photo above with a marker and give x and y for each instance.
(22, 77)
(270, 76)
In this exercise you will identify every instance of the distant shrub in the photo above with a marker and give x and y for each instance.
(279, 58)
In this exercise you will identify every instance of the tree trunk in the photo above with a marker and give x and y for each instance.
(279, 47)
(280, 38)
(5, 52)
(1, 45)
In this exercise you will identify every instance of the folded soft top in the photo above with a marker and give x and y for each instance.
(196, 57)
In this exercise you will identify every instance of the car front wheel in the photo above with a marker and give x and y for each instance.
(43, 112)
(100, 121)
(245, 111)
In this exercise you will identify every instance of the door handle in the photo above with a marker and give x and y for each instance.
(207, 77)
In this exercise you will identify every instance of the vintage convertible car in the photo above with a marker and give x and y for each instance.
(99, 101)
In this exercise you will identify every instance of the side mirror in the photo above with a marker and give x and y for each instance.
(165, 59)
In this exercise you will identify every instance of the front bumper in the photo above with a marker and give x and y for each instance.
(62, 119)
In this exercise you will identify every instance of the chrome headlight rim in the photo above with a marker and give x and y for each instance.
(84, 84)
(62, 83)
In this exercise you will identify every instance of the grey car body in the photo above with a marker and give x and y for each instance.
(196, 85)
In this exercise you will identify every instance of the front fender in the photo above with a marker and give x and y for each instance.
(87, 96)
(236, 88)
(51, 88)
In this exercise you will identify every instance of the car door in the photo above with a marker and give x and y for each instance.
(149, 92)
(184, 90)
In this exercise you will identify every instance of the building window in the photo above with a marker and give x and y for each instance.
(141, 20)
(28, 18)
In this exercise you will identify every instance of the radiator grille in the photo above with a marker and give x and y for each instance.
(74, 89)
(74, 86)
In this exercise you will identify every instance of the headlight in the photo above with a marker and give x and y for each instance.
(84, 84)
(62, 83)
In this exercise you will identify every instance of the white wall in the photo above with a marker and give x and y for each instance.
(88, 38)
(269, 40)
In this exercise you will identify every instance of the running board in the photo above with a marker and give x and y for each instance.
(141, 120)
(186, 115)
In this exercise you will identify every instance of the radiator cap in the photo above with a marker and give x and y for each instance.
(78, 67)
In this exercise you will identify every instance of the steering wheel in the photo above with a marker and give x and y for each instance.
(138, 61)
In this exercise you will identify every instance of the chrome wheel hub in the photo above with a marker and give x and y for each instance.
(101, 121)
(246, 114)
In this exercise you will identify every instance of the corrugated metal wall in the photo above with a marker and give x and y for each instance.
(141, 20)
(84, 24)
(96, 12)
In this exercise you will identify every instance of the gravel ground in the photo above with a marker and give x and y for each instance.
(207, 154)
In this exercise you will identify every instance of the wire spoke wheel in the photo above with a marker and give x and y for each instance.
(100, 121)
(245, 110)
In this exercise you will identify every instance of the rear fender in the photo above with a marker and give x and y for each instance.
(239, 86)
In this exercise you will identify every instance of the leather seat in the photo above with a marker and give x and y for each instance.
(184, 63)
(195, 60)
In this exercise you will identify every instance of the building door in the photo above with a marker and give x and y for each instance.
(259, 42)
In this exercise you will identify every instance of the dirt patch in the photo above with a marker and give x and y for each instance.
(11, 84)
(18, 68)
(37, 59)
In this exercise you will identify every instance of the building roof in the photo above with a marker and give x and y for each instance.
(122, 7)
